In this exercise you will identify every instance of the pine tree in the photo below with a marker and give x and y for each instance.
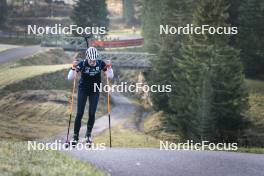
(3, 14)
(150, 20)
(213, 76)
(129, 12)
(233, 18)
(90, 13)
(174, 13)
(251, 36)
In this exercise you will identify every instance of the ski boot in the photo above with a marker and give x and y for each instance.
(75, 140)
(88, 140)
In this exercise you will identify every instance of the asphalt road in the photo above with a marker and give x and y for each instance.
(18, 53)
(119, 113)
(155, 162)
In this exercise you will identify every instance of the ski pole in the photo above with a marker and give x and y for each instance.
(72, 98)
(71, 107)
(109, 114)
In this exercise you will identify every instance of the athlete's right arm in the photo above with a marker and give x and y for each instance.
(72, 74)
(73, 71)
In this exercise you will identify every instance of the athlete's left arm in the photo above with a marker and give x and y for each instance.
(107, 68)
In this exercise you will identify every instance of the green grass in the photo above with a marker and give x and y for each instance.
(256, 101)
(122, 137)
(34, 97)
(153, 125)
(255, 134)
(256, 110)
(32, 67)
(27, 112)
(34, 105)
(38, 114)
(251, 150)
(17, 160)
(34, 114)
(255, 86)
(42, 63)
(12, 75)
(51, 57)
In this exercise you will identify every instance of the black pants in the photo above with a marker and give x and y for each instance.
(83, 94)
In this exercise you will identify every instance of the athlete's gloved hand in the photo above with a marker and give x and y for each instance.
(74, 64)
(108, 64)
(109, 72)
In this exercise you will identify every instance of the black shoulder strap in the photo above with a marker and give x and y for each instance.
(83, 63)
(83, 66)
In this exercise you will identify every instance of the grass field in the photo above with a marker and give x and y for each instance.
(17, 160)
(34, 105)
(153, 125)
(16, 74)
(38, 114)
(35, 114)
(51, 57)
(28, 111)
(38, 92)
(34, 97)
(32, 66)
(255, 135)
(123, 137)
(256, 100)
(256, 150)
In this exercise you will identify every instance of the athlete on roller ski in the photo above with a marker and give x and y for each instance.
(90, 69)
